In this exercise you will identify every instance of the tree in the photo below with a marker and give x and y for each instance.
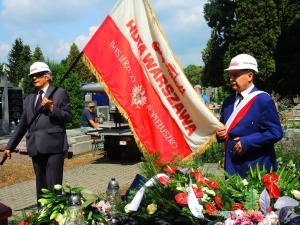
(81, 69)
(72, 86)
(220, 16)
(26, 81)
(38, 55)
(286, 80)
(16, 62)
(256, 33)
(193, 73)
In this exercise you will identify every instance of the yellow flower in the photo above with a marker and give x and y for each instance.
(245, 182)
(126, 208)
(296, 194)
(151, 208)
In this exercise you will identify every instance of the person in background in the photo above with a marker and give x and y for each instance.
(198, 89)
(252, 124)
(46, 139)
(88, 119)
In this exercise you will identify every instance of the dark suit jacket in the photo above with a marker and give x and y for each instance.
(258, 130)
(48, 133)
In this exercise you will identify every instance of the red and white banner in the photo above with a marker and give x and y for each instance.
(131, 58)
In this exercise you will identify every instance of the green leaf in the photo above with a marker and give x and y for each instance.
(88, 202)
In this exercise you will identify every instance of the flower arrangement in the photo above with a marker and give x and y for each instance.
(184, 195)
(54, 208)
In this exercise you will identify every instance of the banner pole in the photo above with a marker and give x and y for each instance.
(49, 97)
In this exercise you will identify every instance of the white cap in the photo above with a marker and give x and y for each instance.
(243, 61)
(38, 67)
(197, 86)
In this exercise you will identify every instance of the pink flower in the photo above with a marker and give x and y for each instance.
(254, 216)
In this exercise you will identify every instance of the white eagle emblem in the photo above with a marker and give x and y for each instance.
(138, 98)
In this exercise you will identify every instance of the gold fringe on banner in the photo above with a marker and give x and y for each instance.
(91, 67)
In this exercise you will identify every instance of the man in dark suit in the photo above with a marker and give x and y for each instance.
(252, 124)
(46, 140)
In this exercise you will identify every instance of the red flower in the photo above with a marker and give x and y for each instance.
(270, 177)
(169, 170)
(199, 177)
(181, 198)
(198, 192)
(24, 223)
(237, 206)
(213, 185)
(211, 209)
(218, 200)
(164, 180)
(274, 191)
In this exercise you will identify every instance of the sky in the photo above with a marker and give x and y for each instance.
(54, 25)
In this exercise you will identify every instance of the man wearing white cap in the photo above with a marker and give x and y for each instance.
(252, 124)
(46, 140)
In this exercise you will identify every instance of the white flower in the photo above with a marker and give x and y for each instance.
(211, 192)
(57, 187)
(270, 219)
(179, 187)
(238, 212)
(60, 218)
(204, 198)
(126, 208)
(296, 194)
(151, 208)
(245, 182)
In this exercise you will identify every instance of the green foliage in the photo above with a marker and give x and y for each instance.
(72, 85)
(220, 96)
(38, 55)
(287, 150)
(220, 16)
(213, 154)
(286, 80)
(18, 57)
(256, 33)
(193, 73)
(54, 204)
(83, 72)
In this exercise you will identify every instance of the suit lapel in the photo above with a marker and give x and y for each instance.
(49, 91)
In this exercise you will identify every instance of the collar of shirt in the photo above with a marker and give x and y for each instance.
(246, 92)
(44, 91)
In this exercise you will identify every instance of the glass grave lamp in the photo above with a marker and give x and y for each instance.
(74, 211)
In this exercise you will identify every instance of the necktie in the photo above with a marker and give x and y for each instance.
(39, 101)
(239, 98)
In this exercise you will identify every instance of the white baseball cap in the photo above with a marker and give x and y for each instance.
(38, 67)
(243, 61)
(197, 86)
